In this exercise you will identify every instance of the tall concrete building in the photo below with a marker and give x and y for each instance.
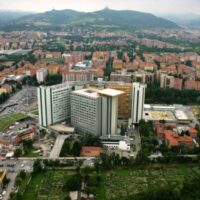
(138, 97)
(54, 104)
(124, 104)
(95, 111)
(109, 111)
(86, 111)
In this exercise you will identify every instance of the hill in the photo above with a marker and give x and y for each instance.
(185, 20)
(8, 16)
(106, 19)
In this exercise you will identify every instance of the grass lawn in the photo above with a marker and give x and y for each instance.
(35, 112)
(116, 184)
(31, 152)
(9, 120)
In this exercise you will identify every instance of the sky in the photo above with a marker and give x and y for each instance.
(152, 6)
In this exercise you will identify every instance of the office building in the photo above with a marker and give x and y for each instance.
(54, 104)
(138, 97)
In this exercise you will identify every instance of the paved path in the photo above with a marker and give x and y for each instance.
(58, 146)
(10, 185)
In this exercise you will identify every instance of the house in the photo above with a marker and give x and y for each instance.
(6, 89)
(193, 132)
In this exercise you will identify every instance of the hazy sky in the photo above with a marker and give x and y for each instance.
(153, 6)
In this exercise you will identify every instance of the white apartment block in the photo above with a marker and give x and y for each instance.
(138, 97)
(54, 104)
(41, 75)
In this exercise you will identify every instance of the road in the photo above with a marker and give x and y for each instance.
(58, 146)
(18, 165)
(11, 184)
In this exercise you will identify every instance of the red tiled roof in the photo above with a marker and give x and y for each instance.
(91, 148)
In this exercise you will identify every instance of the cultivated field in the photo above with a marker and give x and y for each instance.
(117, 184)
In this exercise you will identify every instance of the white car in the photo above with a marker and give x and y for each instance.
(3, 193)
(22, 165)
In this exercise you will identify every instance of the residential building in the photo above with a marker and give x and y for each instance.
(138, 97)
(41, 75)
(17, 137)
(167, 81)
(172, 139)
(6, 89)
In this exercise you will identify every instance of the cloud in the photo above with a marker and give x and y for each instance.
(153, 6)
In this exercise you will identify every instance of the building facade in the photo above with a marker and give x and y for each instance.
(95, 111)
(54, 104)
(86, 111)
(124, 104)
(138, 97)
(41, 75)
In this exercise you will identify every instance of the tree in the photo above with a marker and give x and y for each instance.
(191, 188)
(22, 174)
(67, 197)
(142, 157)
(53, 79)
(18, 153)
(18, 86)
(90, 140)
(37, 166)
(73, 183)
(76, 148)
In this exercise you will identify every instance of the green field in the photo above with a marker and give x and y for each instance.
(9, 120)
(117, 184)
(31, 152)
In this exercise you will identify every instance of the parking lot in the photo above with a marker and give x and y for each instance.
(20, 102)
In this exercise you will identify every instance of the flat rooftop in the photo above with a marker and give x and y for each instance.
(159, 115)
(91, 92)
(181, 115)
(62, 128)
(110, 92)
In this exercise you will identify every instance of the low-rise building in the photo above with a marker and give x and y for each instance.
(90, 151)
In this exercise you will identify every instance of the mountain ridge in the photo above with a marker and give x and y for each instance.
(106, 18)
